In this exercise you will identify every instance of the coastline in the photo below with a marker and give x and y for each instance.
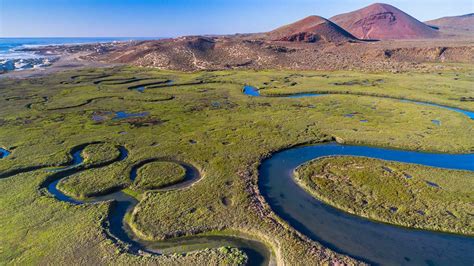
(31, 57)
(64, 62)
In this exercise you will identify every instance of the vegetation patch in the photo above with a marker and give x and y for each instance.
(149, 97)
(402, 194)
(94, 182)
(100, 153)
(156, 175)
(235, 256)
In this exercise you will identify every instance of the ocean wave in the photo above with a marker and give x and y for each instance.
(7, 65)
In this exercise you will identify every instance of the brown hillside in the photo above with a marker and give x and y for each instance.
(310, 29)
(233, 52)
(383, 22)
(464, 22)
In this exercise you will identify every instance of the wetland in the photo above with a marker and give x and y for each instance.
(200, 171)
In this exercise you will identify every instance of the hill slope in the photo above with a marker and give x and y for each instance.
(310, 29)
(464, 22)
(383, 22)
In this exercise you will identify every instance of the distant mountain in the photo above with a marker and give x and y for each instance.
(310, 29)
(464, 22)
(383, 22)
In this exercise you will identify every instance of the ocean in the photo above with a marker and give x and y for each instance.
(11, 58)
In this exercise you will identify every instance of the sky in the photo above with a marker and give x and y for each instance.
(167, 18)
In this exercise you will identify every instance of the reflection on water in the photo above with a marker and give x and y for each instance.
(361, 238)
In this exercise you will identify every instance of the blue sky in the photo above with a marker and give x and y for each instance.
(166, 18)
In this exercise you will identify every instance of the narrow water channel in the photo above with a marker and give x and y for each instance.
(257, 252)
(361, 238)
(252, 91)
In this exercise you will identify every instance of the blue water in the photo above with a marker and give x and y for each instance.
(123, 115)
(441, 160)
(379, 243)
(76, 161)
(4, 153)
(252, 91)
(66, 171)
(142, 88)
(257, 252)
(9, 46)
(52, 188)
(119, 115)
(470, 114)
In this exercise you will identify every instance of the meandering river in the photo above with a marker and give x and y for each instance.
(118, 229)
(252, 91)
(358, 237)
(367, 240)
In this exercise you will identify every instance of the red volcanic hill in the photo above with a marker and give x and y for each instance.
(310, 29)
(383, 22)
(464, 22)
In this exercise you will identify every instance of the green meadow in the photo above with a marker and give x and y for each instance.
(401, 194)
(205, 120)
